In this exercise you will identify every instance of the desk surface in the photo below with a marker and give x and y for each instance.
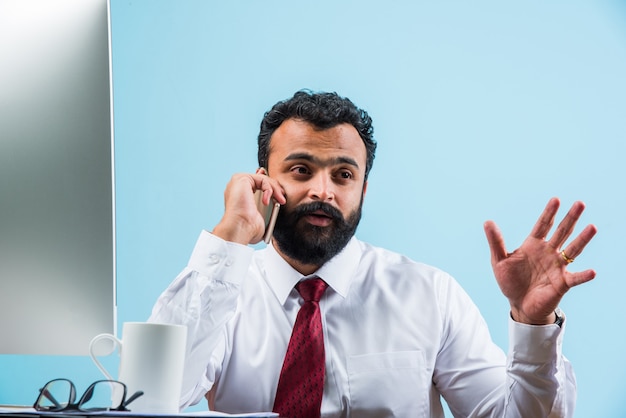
(29, 412)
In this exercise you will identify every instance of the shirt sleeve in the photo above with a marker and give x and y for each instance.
(541, 379)
(203, 297)
(476, 378)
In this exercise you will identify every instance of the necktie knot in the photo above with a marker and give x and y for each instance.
(312, 290)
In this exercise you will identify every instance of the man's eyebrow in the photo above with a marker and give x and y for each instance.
(329, 161)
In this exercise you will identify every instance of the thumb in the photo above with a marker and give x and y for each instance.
(495, 241)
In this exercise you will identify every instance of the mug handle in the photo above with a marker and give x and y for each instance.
(116, 343)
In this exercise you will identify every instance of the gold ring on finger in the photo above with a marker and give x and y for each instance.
(567, 259)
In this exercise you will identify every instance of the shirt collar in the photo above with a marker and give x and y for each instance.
(337, 272)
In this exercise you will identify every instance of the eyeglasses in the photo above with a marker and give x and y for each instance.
(102, 395)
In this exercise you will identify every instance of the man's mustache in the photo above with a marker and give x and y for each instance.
(310, 209)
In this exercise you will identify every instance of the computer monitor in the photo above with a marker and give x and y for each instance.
(57, 228)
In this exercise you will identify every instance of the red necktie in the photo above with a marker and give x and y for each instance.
(301, 383)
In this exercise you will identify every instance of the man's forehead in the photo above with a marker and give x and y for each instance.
(297, 137)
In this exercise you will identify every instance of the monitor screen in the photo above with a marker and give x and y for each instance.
(57, 255)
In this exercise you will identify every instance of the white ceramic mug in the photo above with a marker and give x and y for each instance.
(152, 358)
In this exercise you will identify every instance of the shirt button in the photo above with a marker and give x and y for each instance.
(214, 259)
(228, 262)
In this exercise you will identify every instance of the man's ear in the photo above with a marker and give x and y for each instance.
(261, 170)
(364, 188)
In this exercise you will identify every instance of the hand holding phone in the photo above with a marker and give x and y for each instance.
(269, 213)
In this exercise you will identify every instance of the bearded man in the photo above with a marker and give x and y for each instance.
(319, 323)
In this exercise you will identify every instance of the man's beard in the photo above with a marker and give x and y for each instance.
(310, 244)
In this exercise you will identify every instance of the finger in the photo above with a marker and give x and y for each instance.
(279, 194)
(566, 226)
(496, 241)
(546, 219)
(576, 247)
(580, 277)
(269, 186)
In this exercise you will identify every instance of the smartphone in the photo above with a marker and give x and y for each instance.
(269, 213)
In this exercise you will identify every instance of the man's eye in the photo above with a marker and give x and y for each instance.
(346, 175)
(300, 170)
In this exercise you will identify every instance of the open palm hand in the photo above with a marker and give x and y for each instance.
(534, 277)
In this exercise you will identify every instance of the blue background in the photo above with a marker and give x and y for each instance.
(483, 110)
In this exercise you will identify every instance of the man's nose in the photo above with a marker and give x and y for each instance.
(321, 188)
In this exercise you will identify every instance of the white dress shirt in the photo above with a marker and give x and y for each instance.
(397, 335)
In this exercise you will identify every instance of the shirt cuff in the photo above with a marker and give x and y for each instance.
(213, 255)
(535, 343)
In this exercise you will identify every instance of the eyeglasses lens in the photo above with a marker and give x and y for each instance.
(102, 395)
(55, 396)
